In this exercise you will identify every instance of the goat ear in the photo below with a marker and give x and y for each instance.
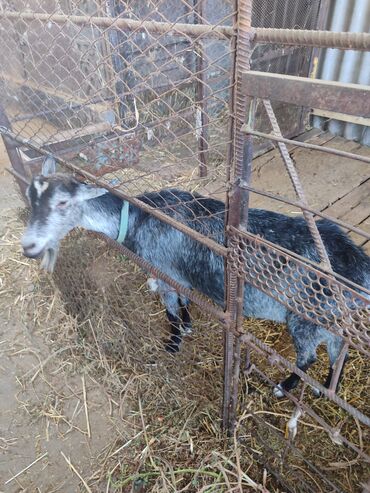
(48, 166)
(87, 192)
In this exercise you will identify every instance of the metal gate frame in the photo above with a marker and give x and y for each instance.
(240, 244)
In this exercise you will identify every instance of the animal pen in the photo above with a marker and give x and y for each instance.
(143, 96)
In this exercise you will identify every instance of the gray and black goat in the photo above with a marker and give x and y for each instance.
(60, 203)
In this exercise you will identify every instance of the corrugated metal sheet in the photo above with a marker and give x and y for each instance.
(347, 66)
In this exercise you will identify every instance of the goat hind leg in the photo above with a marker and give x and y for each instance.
(177, 314)
(293, 380)
(335, 345)
(306, 337)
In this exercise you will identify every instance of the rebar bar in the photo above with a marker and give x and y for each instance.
(296, 37)
(296, 182)
(306, 145)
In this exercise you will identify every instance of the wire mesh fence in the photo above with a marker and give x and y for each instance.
(145, 98)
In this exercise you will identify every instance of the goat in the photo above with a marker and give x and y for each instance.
(60, 203)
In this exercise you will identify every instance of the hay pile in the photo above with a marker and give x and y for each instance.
(98, 316)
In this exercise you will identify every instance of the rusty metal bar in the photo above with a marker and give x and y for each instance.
(299, 205)
(321, 24)
(18, 176)
(243, 203)
(351, 99)
(297, 37)
(238, 200)
(208, 242)
(228, 340)
(237, 349)
(338, 366)
(124, 23)
(201, 115)
(321, 39)
(306, 145)
(296, 182)
(227, 376)
(13, 152)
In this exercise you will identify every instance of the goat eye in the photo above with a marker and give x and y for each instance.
(62, 203)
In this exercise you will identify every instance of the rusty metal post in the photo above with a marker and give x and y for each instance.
(237, 215)
(201, 115)
(12, 149)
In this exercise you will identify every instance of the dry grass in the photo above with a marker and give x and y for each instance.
(101, 323)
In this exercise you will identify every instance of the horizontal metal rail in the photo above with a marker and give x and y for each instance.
(124, 23)
(323, 39)
(296, 37)
(351, 99)
(304, 207)
(306, 145)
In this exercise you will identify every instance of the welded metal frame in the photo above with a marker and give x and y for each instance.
(245, 87)
(303, 92)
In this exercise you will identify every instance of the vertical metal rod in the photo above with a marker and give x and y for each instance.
(110, 37)
(310, 68)
(236, 354)
(235, 383)
(123, 77)
(241, 156)
(292, 57)
(12, 149)
(201, 94)
(228, 335)
(228, 367)
(338, 365)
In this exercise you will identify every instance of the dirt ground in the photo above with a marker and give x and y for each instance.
(59, 417)
(33, 424)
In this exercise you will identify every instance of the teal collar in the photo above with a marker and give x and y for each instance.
(123, 225)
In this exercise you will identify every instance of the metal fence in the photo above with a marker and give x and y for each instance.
(142, 96)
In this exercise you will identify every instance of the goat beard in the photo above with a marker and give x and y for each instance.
(48, 260)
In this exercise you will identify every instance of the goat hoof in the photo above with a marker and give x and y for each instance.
(316, 392)
(172, 348)
(278, 391)
(187, 329)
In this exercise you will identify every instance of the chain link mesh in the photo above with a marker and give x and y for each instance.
(137, 95)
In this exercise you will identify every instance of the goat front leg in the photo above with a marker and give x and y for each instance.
(180, 325)
(173, 344)
(185, 315)
(177, 313)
